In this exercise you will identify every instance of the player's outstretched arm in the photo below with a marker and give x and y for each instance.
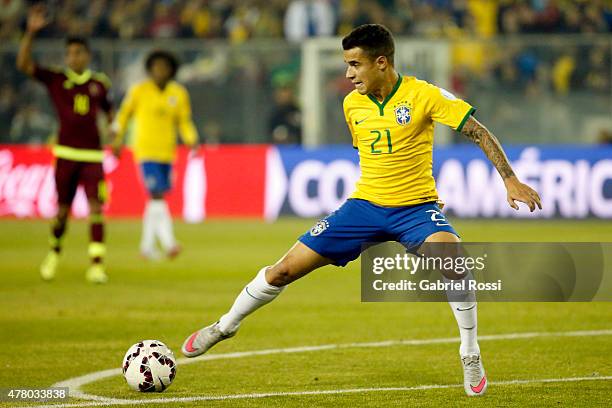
(517, 191)
(36, 21)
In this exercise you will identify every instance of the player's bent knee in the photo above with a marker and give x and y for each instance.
(444, 245)
(285, 271)
(280, 274)
(298, 262)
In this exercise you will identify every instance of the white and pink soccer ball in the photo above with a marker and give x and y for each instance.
(149, 366)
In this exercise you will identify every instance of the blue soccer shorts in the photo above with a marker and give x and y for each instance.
(342, 235)
(156, 176)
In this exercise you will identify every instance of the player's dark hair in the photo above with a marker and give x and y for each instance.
(77, 40)
(374, 39)
(164, 55)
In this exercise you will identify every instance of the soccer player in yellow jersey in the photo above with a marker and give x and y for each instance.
(160, 106)
(391, 119)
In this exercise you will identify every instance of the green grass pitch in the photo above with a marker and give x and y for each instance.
(50, 332)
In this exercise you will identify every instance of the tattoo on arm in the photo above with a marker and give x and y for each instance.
(480, 135)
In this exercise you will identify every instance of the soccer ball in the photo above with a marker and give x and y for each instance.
(149, 366)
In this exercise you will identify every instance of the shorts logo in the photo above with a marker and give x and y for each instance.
(319, 227)
(93, 90)
(402, 115)
(438, 218)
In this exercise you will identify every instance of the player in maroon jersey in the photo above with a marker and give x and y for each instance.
(78, 95)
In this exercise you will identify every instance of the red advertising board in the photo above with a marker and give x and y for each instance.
(215, 182)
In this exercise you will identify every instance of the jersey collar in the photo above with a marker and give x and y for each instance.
(78, 79)
(153, 85)
(381, 106)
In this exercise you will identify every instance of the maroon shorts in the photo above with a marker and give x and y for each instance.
(69, 174)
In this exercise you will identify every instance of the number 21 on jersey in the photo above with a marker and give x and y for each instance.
(378, 146)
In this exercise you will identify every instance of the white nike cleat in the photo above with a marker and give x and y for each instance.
(474, 377)
(202, 340)
(96, 274)
(48, 268)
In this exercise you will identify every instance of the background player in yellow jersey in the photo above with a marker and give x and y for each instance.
(391, 119)
(160, 106)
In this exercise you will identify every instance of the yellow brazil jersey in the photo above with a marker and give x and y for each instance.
(158, 114)
(395, 140)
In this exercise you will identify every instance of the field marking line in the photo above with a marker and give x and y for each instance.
(111, 402)
(75, 384)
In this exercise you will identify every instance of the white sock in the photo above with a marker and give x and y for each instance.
(466, 316)
(165, 232)
(255, 294)
(147, 243)
(464, 308)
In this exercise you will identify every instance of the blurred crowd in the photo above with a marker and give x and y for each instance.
(239, 20)
(493, 52)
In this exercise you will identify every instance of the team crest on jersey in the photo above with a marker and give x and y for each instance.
(319, 227)
(172, 100)
(93, 89)
(402, 115)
